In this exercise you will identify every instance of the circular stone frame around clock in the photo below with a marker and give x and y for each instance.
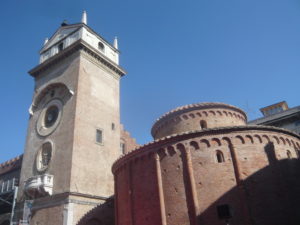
(49, 117)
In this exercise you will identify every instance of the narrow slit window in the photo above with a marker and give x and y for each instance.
(203, 124)
(99, 136)
(220, 157)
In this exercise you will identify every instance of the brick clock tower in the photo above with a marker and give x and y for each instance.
(74, 127)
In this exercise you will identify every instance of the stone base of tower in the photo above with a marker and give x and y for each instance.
(62, 209)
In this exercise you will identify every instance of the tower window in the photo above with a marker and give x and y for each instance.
(99, 136)
(203, 124)
(101, 46)
(60, 47)
(224, 212)
(220, 157)
(113, 127)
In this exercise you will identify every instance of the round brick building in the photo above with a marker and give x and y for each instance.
(207, 167)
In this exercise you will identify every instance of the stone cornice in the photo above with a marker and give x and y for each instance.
(64, 198)
(193, 134)
(77, 46)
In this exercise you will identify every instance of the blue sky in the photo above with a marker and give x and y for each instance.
(245, 53)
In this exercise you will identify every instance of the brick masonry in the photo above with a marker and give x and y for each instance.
(178, 179)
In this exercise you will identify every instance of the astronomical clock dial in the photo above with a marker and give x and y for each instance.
(50, 104)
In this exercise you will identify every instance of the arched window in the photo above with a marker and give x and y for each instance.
(203, 124)
(101, 46)
(219, 157)
(44, 157)
(289, 154)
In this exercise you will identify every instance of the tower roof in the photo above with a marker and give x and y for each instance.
(68, 29)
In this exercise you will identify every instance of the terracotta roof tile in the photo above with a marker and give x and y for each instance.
(10, 165)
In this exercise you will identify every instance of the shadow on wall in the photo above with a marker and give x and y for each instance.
(6, 222)
(100, 215)
(271, 196)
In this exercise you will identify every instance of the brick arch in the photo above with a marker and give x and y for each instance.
(205, 113)
(220, 113)
(198, 114)
(180, 146)
(240, 138)
(194, 145)
(282, 140)
(192, 115)
(276, 139)
(204, 142)
(226, 140)
(258, 138)
(248, 139)
(215, 142)
(171, 150)
(162, 153)
(212, 112)
(265, 138)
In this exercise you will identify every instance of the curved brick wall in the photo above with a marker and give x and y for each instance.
(197, 117)
(178, 180)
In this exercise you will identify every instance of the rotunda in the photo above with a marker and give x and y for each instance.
(206, 166)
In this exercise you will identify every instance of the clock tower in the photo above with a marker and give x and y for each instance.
(73, 134)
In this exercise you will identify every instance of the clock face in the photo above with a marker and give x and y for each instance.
(49, 103)
(49, 117)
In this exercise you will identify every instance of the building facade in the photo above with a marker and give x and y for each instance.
(74, 132)
(280, 115)
(205, 165)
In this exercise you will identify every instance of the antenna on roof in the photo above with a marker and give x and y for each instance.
(116, 43)
(84, 17)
